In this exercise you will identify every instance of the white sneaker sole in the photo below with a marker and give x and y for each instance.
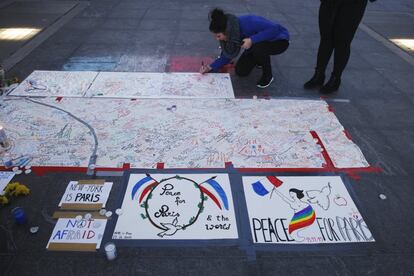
(264, 86)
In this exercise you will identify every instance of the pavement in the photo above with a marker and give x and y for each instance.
(375, 104)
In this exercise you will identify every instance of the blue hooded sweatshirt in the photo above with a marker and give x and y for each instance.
(258, 29)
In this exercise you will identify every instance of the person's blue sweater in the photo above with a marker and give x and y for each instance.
(258, 29)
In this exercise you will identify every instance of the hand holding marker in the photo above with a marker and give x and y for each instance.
(204, 68)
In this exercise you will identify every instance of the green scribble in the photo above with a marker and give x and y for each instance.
(143, 216)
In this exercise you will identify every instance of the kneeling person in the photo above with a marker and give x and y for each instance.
(259, 37)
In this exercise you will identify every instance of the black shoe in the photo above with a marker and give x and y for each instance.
(331, 86)
(316, 81)
(259, 66)
(264, 82)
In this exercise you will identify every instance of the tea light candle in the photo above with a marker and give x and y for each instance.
(110, 250)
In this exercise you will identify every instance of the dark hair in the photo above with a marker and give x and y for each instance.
(218, 21)
(299, 193)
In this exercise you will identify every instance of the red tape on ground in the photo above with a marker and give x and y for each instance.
(328, 160)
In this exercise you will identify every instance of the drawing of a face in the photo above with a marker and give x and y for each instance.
(296, 194)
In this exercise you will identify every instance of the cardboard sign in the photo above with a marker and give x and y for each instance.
(5, 178)
(303, 210)
(170, 206)
(71, 234)
(86, 195)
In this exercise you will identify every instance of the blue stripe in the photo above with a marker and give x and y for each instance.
(220, 192)
(259, 188)
(139, 185)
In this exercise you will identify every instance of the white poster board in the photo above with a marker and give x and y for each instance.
(86, 194)
(79, 232)
(5, 178)
(184, 207)
(303, 210)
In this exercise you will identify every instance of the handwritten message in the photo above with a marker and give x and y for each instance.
(82, 194)
(71, 230)
(306, 210)
(166, 206)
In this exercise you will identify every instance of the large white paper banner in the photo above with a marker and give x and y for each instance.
(73, 231)
(76, 193)
(125, 85)
(185, 207)
(181, 133)
(302, 210)
(55, 83)
(161, 85)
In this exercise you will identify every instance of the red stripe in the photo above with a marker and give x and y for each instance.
(207, 192)
(348, 135)
(328, 160)
(40, 171)
(296, 226)
(146, 190)
(274, 180)
(369, 169)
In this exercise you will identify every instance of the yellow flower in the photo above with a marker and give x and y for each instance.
(3, 200)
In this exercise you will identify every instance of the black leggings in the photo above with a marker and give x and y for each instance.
(338, 22)
(259, 54)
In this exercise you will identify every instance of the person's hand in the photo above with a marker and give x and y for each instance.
(205, 69)
(247, 43)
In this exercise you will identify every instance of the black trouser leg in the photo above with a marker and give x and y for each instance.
(327, 12)
(245, 64)
(260, 54)
(263, 50)
(349, 16)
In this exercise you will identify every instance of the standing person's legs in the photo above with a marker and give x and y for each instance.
(349, 16)
(327, 13)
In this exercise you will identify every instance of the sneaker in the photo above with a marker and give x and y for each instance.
(264, 82)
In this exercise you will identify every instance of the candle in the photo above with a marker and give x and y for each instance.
(110, 251)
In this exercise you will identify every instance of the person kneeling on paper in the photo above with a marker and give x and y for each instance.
(256, 37)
